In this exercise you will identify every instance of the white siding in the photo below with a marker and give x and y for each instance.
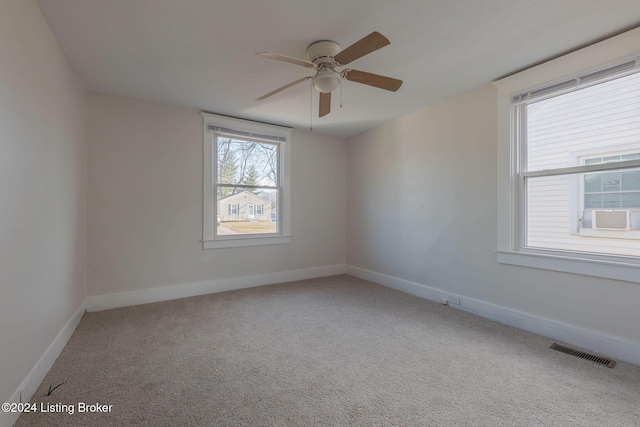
(604, 118)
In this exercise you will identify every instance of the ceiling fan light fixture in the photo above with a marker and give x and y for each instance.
(326, 81)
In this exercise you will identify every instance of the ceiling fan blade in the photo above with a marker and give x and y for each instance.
(371, 79)
(282, 88)
(362, 47)
(287, 59)
(325, 104)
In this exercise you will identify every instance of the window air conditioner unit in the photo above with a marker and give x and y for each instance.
(612, 220)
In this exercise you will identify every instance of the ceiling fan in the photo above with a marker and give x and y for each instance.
(325, 56)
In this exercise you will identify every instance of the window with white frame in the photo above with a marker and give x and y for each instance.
(569, 163)
(601, 115)
(246, 167)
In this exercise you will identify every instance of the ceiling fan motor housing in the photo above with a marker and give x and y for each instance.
(322, 52)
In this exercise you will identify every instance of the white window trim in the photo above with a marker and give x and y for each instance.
(209, 239)
(509, 250)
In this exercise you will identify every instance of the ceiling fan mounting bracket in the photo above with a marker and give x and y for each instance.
(323, 51)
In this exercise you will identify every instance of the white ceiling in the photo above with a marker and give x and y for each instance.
(200, 53)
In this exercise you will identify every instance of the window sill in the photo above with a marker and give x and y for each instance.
(238, 242)
(609, 234)
(606, 268)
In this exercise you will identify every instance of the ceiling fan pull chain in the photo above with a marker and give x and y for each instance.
(311, 106)
(341, 94)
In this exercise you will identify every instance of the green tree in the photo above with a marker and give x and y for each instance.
(227, 168)
(251, 178)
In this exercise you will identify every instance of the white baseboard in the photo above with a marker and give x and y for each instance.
(145, 296)
(32, 381)
(611, 346)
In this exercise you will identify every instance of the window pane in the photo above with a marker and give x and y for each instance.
(610, 182)
(555, 218)
(611, 201)
(247, 162)
(593, 161)
(635, 156)
(593, 201)
(547, 210)
(600, 123)
(631, 200)
(592, 183)
(610, 159)
(238, 213)
(631, 181)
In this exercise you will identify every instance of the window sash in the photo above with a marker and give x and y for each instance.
(519, 104)
(277, 141)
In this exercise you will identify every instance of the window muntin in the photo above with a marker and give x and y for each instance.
(557, 194)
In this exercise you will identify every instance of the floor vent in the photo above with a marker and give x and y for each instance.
(600, 360)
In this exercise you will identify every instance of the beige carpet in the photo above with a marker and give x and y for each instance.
(336, 351)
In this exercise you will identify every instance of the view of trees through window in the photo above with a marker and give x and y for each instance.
(246, 186)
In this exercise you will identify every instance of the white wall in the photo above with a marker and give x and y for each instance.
(145, 202)
(42, 191)
(422, 208)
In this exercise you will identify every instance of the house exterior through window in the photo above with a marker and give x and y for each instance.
(580, 187)
(568, 151)
(246, 178)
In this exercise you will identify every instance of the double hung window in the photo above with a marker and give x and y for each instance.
(569, 163)
(246, 179)
(579, 164)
